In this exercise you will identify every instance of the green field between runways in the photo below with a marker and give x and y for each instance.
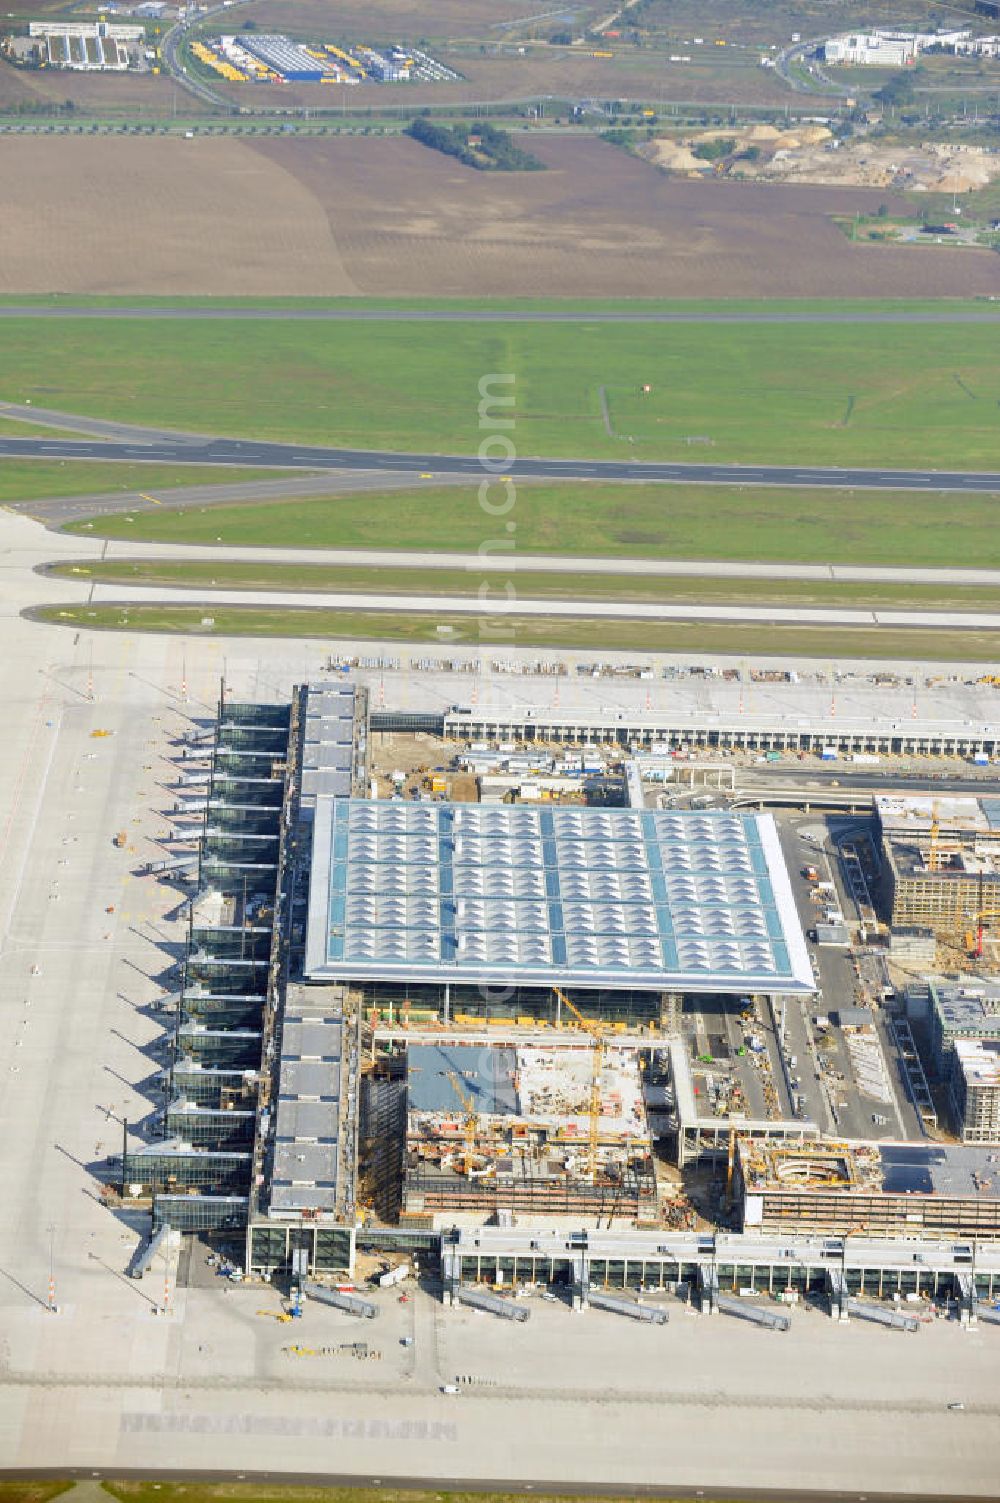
(633, 588)
(820, 392)
(894, 528)
(699, 638)
(39, 479)
(136, 1491)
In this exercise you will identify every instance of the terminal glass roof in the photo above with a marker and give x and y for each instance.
(588, 897)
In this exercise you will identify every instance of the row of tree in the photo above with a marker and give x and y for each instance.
(485, 146)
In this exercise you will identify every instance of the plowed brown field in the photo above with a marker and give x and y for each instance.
(389, 217)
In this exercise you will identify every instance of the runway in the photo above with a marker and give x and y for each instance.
(246, 453)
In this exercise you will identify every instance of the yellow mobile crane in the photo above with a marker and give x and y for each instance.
(596, 1031)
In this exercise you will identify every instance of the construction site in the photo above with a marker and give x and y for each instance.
(941, 868)
(533, 1129)
(395, 1015)
(866, 1189)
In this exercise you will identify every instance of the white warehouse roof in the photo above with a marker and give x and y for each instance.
(506, 894)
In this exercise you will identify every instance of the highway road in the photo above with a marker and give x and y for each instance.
(171, 449)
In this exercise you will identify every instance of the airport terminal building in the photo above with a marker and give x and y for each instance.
(320, 913)
(516, 961)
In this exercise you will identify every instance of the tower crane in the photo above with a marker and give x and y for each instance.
(596, 1030)
(471, 1119)
(933, 854)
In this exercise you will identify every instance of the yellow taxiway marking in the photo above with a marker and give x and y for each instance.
(150, 498)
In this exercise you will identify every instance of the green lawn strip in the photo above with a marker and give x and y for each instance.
(638, 306)
(249, 1492)
(32, 1490)
(39, 479)
(893, 528)
(630, 588)
(804, 393)
(696, 637)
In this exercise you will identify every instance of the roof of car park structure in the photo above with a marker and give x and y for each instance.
(561, 896)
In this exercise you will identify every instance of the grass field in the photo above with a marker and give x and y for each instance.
(638, 307)
(236, 1492)
(30, 1490)
(634, 588)
(35, 479)
(624, 521)
(698, 638)
(816, 393)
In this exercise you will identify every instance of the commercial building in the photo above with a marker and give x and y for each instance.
(867, 1189)
(456, 900)
(941, 863)
(958, 1008)
(975, 1089)
(260, 1124)
(958, 1022)
(287, 59)
(717, 715)
(893, 49)
(787, 1268)
(88, 46)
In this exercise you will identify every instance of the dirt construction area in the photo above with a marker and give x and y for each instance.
(811, 154)
(388, 217)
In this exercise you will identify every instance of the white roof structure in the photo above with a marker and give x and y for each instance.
(506, 894)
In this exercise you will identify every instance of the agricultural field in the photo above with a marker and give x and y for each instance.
(348, 216)
(894, 529)
(822, 392)
(129, 96)
(201, 230)
(511, 72)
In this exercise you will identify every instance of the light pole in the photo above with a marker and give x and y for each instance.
(52, 1307)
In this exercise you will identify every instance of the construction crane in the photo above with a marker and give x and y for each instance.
(471, 1120)
(984, 911)
(933, 857)
(596, 1031)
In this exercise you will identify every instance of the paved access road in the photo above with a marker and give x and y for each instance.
(496, 603)
(539, 563)
(170, 449)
